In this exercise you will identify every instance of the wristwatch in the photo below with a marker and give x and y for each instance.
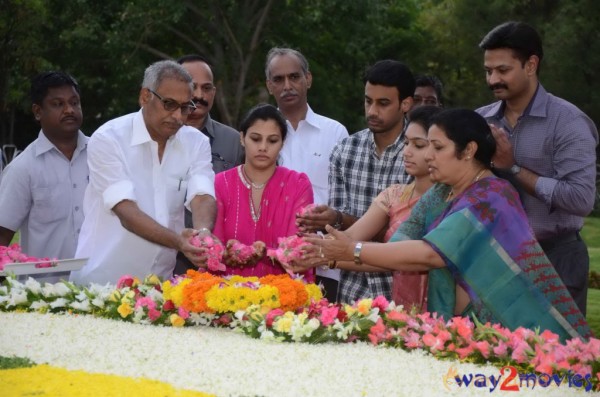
(515, 169)
(357, 249)
(339, 220)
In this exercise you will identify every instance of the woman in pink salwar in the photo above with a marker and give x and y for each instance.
(259, 200)
(393, 205)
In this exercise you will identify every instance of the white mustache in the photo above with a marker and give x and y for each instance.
(288, 93)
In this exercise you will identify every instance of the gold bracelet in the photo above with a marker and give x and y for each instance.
(332, 264)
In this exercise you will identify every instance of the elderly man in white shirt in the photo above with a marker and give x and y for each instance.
(41, 191)
(310, 137)
(144, 167)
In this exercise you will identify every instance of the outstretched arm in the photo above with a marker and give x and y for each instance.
(138, 222)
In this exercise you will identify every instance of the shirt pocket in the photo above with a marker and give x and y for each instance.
(176, 191)
(48, 206)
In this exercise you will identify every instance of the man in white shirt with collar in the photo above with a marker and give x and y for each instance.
(143, 167)
(310, 137)
(41, 193)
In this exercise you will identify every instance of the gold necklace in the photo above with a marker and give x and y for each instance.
(477, 177)
(247, 181)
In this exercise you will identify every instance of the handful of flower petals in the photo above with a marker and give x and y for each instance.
(238, 254)
(214, 251)
(290, 248)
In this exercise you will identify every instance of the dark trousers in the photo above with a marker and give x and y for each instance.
(330, 287)
(182, 264)
(569, 256)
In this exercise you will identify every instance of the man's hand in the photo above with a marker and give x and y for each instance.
(196, 255)
(316, 219)
(504, 156)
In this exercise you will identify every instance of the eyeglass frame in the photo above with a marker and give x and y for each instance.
(185, 108)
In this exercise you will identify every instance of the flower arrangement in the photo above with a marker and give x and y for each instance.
(13, 254)
(280, 308)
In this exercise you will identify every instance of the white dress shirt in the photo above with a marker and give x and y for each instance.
(124, 165)
(307, 150)
(41, 195)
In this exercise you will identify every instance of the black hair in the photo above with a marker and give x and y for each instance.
(520, 37)
(423, 115)
(52, 79)
(392, 73)
(463, 126)
(430, 81)
(264, 111)
(193, 58)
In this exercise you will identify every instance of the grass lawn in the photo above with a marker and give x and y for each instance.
(591, 235)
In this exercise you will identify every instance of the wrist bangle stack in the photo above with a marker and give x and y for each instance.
(332, 264)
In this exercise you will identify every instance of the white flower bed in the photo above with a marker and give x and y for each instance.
(224, 363)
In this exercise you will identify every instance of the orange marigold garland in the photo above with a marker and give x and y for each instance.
(292, 293)
(193, 293)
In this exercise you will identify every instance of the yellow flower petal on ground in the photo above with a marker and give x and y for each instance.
(44, 380)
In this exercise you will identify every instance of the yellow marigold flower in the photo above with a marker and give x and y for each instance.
(176, 321)
(364, 306)
(174, 293)
(239, 279)
(314, 293)
(124, 309)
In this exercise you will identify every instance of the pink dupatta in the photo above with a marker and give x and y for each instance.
(284, 195)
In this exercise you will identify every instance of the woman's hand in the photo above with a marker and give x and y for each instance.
(316, 219)
(335, 246)
(303, 264)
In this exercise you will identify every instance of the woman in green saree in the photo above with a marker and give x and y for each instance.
(475, 237)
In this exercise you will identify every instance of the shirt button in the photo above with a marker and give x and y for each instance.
(77, 208)
(74, 185)
(78, 230)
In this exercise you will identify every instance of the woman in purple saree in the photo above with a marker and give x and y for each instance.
(486, 261)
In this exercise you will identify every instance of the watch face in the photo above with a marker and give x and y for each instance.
(515, 169)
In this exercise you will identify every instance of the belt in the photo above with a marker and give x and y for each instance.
(553, 242)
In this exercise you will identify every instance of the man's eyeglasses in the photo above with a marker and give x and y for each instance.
(172, 105)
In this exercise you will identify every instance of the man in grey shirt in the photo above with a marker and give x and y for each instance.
(546, 146)
(226, 148)
(41, 193)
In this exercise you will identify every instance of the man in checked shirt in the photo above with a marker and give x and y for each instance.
(364, 164)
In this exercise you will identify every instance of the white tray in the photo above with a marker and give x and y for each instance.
(63, 265)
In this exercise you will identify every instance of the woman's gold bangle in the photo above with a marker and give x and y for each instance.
(332, 264)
